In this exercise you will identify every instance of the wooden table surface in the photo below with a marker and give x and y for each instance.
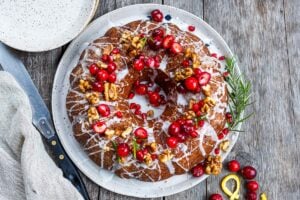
(265, 35)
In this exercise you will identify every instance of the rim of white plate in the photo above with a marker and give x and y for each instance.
(102, 177)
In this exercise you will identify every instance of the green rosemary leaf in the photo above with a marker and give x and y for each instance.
(135, 147)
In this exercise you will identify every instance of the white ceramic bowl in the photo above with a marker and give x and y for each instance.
(41, 25)
(69, 60)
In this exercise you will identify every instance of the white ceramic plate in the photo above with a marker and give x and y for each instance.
(97, 28)
(41, 25)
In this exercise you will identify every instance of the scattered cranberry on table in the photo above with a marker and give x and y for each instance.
(251, 195)
(233, 166)
(252, 186)
(215, 197)
(248, 172)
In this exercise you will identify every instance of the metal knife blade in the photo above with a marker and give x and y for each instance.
(41, 117)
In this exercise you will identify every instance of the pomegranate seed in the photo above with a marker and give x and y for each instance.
(98, 87)
(217, 151)
(181, 137)
(176, 48)
(104, 57)
(191, 83)
(150, 62)
(214, 55)
(102, 75)
(144, 116)
(215, 197)
(233, 166)
(115, 51)
(138, 65)
(195, 107)
(197, 171)
(204, 78)
(140, 133)
(157, 15)
(174, 129)
(155, 43)
(112, 78)
(132, 105)
(123, 150)
(191, 28)
(226, 74)
(194, 134)
(252, 186)
(93, 69)
(140, 155)
(99, 127)
(185, 63)
(111, 67)
(154, 98)
(141, 89)
(137, 112)
(220, 136)
(225, 131)
(251, 195)
(248, 172)
(137, 106)
(201, 123)
(168, 41)
(131, 95)
(103, 110)
(119, 114)
(172, 142)
(159, 32)
(222, 58)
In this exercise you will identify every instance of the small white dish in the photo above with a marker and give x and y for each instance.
(41, 25)
(102, 177)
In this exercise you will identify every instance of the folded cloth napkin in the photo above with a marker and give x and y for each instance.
(26, 170)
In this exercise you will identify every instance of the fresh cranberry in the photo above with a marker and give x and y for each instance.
(198, 113)
(159, 32)
(181, 89)
(217, 151)
(185, 63)
(141, 89)
(105, 57)
(172, 142)
(137, 112)
(123, 150)
(252, 186)
(154, 98)
(195, 107)
(98, 86)
(176, 48)
(157, 60)
(144, 116)
(168, 41)
(225, 131)
(140, 155)
(174, 129)
(233, 166)
(112, 78)
(201, 123)
(191, 83)
(197, 171)
(222, 58)
(197, 72)
(111, 67)
(204, 78)
(215, 197)
(131, 95)
(194, 134)
(102, 75)
(181, 137)
(201, 103)
(93, 69)
(115, 51)
(140, 133)
(155, 43)
(150, 62)
(99, 127)
(137, 106)
(132, 105)
(157, 15)
(248, 172)
(214, 55)
(119, 114)
(228, 115)
(180, 121)
(138, 64)
(221, 136)
(251, 195)
(103, 110)
(191, 28)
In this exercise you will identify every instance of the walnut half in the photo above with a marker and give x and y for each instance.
(213, 165)
(110, 92)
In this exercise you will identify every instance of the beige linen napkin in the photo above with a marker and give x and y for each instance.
(26, 170)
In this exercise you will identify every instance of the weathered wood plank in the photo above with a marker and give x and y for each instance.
(255, 30)
(195, 7)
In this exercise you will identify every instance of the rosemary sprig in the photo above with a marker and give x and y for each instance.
(135, 147)
(239, 94)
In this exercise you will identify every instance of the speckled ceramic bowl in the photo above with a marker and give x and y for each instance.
(43, 25)
(102, 177)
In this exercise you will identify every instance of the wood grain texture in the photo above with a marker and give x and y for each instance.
(195, 7)
(265, 35)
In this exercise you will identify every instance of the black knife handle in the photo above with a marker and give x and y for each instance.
(64, 162)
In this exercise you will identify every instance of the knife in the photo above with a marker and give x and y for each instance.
(41, 117)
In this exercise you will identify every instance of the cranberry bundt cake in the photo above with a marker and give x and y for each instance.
(148, 101)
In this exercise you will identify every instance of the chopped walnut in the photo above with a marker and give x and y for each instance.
(101, 64)
(191, 103)
(107, 49)
(148, 159)
(183, 73)
(109, 133)
(224, 145)
(213, 165)
(84, 85)
(165, 156)
(206, 90)
(208, 104)
(190, 53)
(153, 146)
(150, 113)
(92, 114)
(110, 91)
(189, 114)
(126, 132)
(92, 97)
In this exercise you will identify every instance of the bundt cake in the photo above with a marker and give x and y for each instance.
(148, 101)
